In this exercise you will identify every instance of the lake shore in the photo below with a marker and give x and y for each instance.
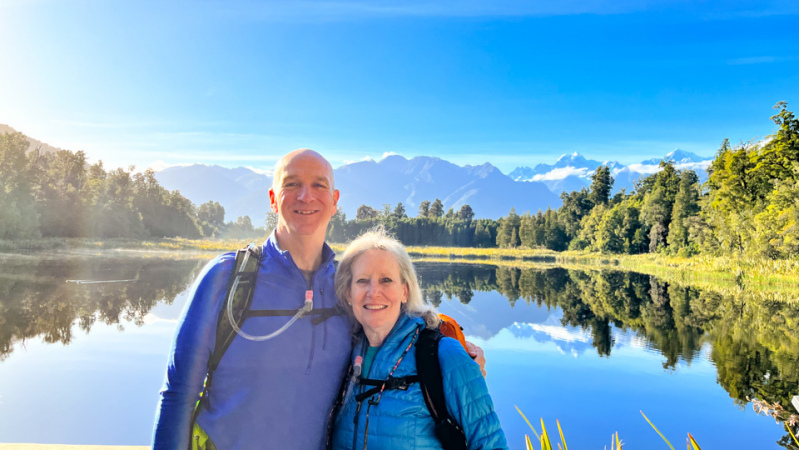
(704, 271)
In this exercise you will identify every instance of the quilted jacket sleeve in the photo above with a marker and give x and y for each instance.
(468, 401)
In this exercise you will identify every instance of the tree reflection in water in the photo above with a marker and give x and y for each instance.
(754, 341)
(36, 300)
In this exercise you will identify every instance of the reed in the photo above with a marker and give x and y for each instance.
(615, 442)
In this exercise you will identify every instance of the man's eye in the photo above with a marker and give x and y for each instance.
(320, 185)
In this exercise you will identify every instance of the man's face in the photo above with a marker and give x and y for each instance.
(304, 197)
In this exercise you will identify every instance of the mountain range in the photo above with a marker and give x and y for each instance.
(393, 179)
(573, 172)
(396, 179)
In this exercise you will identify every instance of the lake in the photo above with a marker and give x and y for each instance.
(84, 342)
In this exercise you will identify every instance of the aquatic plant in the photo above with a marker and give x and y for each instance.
(615, 441)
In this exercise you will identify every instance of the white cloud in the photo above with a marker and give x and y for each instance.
(266, 172)
(643, 168)
(561, 173)
(365, 158)
(387, 154)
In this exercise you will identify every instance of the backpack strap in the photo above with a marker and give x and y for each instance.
(242, 279)
(448, 431)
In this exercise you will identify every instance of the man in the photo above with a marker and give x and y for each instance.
(275, 393)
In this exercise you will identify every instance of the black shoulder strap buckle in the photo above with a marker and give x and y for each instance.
(401, 383)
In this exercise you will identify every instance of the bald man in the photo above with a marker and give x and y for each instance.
(278, 392)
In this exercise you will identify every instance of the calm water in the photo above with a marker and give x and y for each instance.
(82, 363)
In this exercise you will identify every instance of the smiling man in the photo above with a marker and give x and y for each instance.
(276, 384)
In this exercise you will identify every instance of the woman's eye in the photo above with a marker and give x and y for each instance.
(361, 281)
(386, 280)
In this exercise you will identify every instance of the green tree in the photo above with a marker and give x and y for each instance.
(212, 217)
(601, 185)
(366, 212)
(465, 213)
(576, 205)
(59, 200)
(19, 218)
(424, 208)
(436, 209)
(399, 212)
(686, 204)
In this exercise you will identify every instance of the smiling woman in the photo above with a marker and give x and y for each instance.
(376, 282)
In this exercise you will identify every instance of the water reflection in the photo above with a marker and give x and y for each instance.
(36, 300)
(754, 341)
(596, 316)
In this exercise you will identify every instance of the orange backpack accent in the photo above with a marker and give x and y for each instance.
(450, 328)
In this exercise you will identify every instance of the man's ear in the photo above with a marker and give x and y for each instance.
(273, 200)
(335, 202)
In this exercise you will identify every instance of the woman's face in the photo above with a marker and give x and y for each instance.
(376, 293)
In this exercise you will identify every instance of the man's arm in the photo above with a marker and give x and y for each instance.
(188, 359)
(476, 352)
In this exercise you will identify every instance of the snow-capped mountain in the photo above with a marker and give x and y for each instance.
(391, 180)
(395, 179)
(573, 172)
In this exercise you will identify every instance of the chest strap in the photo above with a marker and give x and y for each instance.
(402, 384)
(321, 313)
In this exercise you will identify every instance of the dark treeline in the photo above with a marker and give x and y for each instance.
(432, 226)
(59, 195)
(749, 205)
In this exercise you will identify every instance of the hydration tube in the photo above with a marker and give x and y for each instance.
(307, 307)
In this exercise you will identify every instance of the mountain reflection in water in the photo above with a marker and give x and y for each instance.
(752, 343)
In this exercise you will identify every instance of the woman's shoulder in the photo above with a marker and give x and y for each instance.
(453, 357)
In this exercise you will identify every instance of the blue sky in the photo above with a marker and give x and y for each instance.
(510, 82)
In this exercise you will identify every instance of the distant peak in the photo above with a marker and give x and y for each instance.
(576, 156)
(392, 155)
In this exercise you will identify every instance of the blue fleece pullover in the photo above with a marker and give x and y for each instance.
(272, 394)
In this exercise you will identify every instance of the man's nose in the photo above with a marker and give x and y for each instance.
(305, 193)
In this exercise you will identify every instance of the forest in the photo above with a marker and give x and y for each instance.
(57, 194)
(748, 206)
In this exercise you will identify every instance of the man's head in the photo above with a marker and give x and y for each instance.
(303, 194)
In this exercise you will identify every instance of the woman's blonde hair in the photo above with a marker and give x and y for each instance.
(379, 239)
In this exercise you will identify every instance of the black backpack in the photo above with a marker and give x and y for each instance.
(428, 375)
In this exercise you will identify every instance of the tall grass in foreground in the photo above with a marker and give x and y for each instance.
(615, 441)
(545, 442)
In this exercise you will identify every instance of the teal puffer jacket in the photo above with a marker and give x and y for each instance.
(401, 419)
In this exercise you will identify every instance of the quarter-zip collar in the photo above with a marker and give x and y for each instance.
(271, 248)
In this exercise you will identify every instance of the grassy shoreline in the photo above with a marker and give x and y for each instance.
(725, 273)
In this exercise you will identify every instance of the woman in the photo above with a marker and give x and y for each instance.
(376, 282)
